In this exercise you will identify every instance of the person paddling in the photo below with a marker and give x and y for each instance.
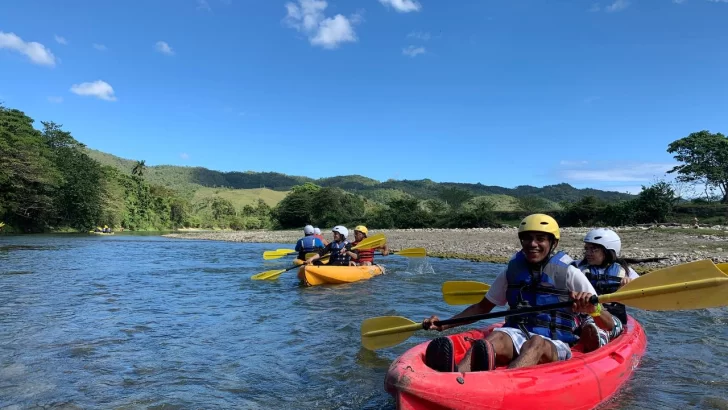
(536, 275)
(339, 249)
(607, 272)
(364, 257)
(309, 243)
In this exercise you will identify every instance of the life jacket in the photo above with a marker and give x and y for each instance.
(527, 288)
(607, 280)
(365, 255)
(337, 257)
(308, 244)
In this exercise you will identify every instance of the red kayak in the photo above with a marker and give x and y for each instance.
(582, 382)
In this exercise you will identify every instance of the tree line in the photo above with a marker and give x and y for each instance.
(48, 183)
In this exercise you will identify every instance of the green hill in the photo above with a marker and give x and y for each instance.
(246, 187)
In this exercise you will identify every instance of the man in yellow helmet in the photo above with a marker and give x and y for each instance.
(364, 257)
(535, 275)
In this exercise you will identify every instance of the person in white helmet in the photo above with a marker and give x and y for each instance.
(607, 272)
(317, 233)
(309, 243)
(338, 249)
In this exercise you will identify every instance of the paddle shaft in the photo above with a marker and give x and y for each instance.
(515, 312)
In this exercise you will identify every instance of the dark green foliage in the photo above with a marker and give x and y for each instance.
(334, 206)
(454, 196)
(654, 203)
(533, 204)
(704, 158)
(48, 181)
(294, 210)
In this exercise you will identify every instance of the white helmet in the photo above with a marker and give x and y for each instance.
(308, 230)
(342, 230)
(605, 237)
(316, 231)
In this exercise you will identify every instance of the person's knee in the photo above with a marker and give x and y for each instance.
(590, 338)
(502, 344)
(545, 349)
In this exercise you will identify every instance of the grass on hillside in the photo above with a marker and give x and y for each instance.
(241, 197)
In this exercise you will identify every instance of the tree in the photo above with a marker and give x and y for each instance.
(454, 196)
(334, 206)
(705, 160)
(654, 203)
(139, 168)
(532, 204)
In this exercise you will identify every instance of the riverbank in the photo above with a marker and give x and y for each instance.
(677, 244)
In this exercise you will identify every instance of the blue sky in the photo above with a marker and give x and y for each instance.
(499, 92)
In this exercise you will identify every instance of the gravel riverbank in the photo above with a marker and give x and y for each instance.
(676, 244)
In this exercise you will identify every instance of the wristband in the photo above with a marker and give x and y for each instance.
(598, 311)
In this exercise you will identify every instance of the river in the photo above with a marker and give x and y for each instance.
(130, 321)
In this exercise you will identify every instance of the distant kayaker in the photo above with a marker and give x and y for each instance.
(309, 243)
(317, 233)
(338, 249)
(364, 257)
(536, 275)
(607, 272)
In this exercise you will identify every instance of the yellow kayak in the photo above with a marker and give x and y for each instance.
(319, 275)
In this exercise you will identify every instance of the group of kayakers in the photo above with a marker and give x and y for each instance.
(538, 275)
(339, 250)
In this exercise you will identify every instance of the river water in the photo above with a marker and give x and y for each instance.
(148, 322)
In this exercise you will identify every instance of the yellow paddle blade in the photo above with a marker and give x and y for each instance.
(386, 331)
(267, 275)
(723, 267)
(2, 224)
(694, 285)
(285, 250)
(268, 255)
(412, 252)
(373, 241)
(463, 292)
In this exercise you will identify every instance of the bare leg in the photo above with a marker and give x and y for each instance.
(365, 264)
(503, 346)
(535, 351)
(590, 338)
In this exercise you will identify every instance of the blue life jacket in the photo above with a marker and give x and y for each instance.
(337, 256)
(527, 288)
(308, 244)
(607, 280)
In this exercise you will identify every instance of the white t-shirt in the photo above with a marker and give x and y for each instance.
(575, 281)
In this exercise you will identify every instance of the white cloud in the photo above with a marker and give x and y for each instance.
(99, 89)
(99, 47)
(412, 51)
(203, 5)
(620, 172)
(60, 40)
(55, 100)
(420, 35)
(327, 32)
(36, 52)
(618, 5)
(718, 1)
(164, 48)
(402, 6)
(184, 155)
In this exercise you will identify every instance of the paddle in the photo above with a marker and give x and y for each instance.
(694, 285)
(373, 242)
(278, 253)
(409, 252)
(463, 292)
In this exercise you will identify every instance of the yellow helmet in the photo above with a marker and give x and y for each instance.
(540, 223)
(363, 229)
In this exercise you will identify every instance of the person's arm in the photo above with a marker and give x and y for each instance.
(581, 290)
(320, 253)
(299, 246)
(384, 249)
(496, 296)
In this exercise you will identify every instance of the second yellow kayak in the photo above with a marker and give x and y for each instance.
(319, 275)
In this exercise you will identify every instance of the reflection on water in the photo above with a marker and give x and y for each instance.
(144, 321)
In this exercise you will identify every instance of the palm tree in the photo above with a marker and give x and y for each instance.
(139, 168)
